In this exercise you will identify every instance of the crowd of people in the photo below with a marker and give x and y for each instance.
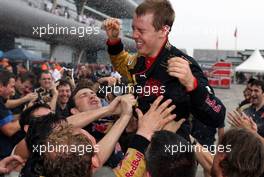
(59, 122)
(57, 9)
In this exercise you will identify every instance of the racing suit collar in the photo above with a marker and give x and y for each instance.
(150, 60)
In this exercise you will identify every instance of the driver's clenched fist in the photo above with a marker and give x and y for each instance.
(112, 28)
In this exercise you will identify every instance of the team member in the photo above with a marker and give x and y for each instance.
(162, 68)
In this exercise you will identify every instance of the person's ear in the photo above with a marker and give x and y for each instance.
(2, 89)
(147, 174)
(222, 156)
(74, 111)
(26, 128)
(165, 30)
(95, 163)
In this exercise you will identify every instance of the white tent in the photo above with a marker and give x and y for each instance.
(254, 64)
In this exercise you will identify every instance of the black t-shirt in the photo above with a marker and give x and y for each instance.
(203, 133)
(63, 113)
(7, 143)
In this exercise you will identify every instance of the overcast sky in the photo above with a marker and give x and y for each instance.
(199, 22)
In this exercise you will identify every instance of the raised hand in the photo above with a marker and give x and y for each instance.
(31, 97)
(180, 68)
(241, 120)
(112, 28)
(156, 118)
(122, 105)
(173, 126)
(10, 163)
(126, 104)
